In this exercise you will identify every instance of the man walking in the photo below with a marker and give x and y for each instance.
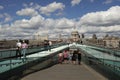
(18, 50)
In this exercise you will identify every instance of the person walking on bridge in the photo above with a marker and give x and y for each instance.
(65, 56)
(74, 57)
(79, 56)
(60, 57)
(18, 50)
(24, 47)
(50, 45)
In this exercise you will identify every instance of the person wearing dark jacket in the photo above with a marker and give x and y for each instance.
(79, 56)
(74, 57)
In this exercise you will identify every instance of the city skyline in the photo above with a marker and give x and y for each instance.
(23, 18)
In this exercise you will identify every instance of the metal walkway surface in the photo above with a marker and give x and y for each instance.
(66, 72)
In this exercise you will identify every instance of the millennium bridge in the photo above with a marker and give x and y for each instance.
(98, 63)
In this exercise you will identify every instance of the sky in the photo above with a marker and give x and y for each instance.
(23, 19)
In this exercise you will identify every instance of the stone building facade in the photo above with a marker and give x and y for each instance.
(112, 42)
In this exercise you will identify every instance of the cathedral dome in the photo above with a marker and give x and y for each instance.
(75, 35)
(74, 32)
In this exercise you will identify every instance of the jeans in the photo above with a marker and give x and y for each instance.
(18, 52)
(24, 52)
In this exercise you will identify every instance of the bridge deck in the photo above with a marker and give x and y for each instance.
(66, 72)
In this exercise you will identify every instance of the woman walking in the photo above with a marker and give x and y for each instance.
(24, 47)
(65, 56)
(60, 57)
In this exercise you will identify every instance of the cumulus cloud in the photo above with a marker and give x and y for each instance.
(1, 7)
(33, 9)
(75, 2)
(52, 8)
(32, 23)
(102, 21)
(37, 24)
(22, 28)
(106, 18)
(54, 27)
(27, 12)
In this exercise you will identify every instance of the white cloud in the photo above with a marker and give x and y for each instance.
(32, 5)
(52, 8)
(27, 12)
(37, 24)
(106, 18)
(22, 28)
(57, 26)
(114, 28)
(102, 21)
(1, 7)
(33, 23)
(33, 9)
(75, 2)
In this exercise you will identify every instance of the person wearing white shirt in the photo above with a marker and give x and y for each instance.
(50, 44)
(18, 50)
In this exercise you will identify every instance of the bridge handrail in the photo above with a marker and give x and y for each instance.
(112, 65)
(108, 50)
(10, 53)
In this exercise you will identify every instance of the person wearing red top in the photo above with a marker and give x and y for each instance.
(65, 56)
(60, 57)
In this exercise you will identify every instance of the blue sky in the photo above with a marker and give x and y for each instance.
(23, 18)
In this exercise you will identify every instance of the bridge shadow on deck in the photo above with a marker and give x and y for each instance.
(66, 72)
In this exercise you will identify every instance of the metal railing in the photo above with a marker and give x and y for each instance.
(12, 67)
(11, 53)
(103, 60)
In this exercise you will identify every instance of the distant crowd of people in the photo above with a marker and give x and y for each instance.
(47, 45)
(70, 57)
